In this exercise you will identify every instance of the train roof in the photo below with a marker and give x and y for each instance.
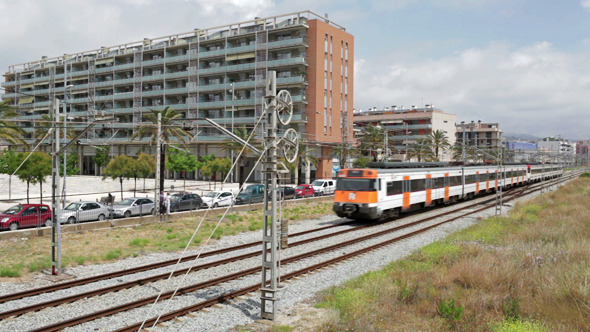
(395, 164)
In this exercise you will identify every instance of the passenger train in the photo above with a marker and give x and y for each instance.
(385, 189)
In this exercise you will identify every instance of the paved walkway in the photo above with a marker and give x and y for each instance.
(92, 188)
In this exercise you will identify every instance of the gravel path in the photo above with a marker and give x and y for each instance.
(236, 312)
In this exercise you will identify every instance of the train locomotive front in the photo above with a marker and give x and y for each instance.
(356, 194)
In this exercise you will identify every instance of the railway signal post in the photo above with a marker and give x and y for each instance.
(278, 108)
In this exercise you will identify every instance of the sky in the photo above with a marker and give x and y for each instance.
(524, 64)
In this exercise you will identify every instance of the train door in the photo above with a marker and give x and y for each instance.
(428, 187)
(477, 182)
(446, 185)
(406, 189)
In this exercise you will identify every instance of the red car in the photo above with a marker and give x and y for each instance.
(25, 215)
(304, 190)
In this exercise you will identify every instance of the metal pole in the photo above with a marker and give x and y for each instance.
(270, 265)
(232, 177)
(55, 225)
(65, 112)
(158, 153)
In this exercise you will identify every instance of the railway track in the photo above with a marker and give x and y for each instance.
(232, 276)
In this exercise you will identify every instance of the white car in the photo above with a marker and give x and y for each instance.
(84, 211)
(324, 187)
(218, 198)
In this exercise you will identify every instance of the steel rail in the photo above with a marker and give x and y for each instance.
(130, 284)
(141, 302)
(253, 288)
(88, 280)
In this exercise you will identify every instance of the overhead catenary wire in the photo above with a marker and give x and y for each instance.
(179, 284)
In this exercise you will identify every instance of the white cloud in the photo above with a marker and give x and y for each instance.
(585, 3)
(535, 89)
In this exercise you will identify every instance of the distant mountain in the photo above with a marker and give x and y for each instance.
(516, 136)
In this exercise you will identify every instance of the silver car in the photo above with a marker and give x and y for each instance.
(133, 206)
(84, 211)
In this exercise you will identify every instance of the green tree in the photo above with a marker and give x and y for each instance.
(71, 164)
(361, 162)
(120, 167)
(180, 161)
(170, 133)
(9, 131)
(101, 157)
(439, 142)
(146, 166)
(34, 170)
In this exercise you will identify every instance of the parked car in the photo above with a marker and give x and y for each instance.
(25, 215)
(324, 186)
(186, 201)
(304, 190)
(253, 193)
(133, 206)
(84, 211)
(218, 198)
(284, 192)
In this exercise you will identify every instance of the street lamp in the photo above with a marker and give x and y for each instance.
(232, 129)
(66, 101)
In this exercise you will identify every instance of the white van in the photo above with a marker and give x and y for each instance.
(324, 186)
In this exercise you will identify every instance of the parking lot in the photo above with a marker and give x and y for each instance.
(92, 188)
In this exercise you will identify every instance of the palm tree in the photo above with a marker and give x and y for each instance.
(305, 154)
(372, 140)
(9, 132)
(45, 125)
(439, 142)
(236, 147)
(169, 132)
(422, 150)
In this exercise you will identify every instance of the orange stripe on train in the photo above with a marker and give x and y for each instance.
(342, 196)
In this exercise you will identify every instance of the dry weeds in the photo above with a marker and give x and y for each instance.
(529, 271)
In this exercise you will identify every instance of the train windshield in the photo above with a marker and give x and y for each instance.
(356, 184)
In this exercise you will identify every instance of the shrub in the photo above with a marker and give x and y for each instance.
(449, 311)
(511, 308)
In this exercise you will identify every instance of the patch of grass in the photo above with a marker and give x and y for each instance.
(10, 272)
(517, 325)
(171, 236)
(281, 328)
(113, 254)
(139, 242)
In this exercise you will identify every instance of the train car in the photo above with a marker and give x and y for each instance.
(386, 189)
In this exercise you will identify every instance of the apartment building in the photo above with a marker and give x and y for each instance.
(218, 73)
(406, 126)
(480, 135)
